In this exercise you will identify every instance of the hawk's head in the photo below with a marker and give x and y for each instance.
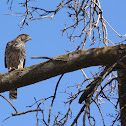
(24, 37)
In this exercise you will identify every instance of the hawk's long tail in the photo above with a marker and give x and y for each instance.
(13, 94)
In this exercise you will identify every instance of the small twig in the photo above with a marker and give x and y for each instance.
(9, 103)
(54, 97)
(78, 115)
(16, 114)
(35, 110)
(43, 17)
(39, 57)
(15, 15)
(54, 58)
(100, 112)
(114, 29)
(43, 99)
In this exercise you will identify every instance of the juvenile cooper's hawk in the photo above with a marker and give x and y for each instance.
(15, 55)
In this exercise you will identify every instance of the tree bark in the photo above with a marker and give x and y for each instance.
(122, 95)
(60, 65)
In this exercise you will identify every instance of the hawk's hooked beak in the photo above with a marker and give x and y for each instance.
(30, 38)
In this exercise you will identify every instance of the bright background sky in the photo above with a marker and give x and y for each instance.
(47, 40)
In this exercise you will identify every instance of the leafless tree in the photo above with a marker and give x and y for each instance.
(87, 16)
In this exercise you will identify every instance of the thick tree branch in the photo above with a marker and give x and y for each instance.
(61, 64)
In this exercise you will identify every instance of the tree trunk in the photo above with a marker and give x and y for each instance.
(122, 95)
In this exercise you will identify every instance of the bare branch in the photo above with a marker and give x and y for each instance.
(91, 88)
(54, 98)
(9, 103)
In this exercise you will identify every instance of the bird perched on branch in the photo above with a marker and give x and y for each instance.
(15, 55)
